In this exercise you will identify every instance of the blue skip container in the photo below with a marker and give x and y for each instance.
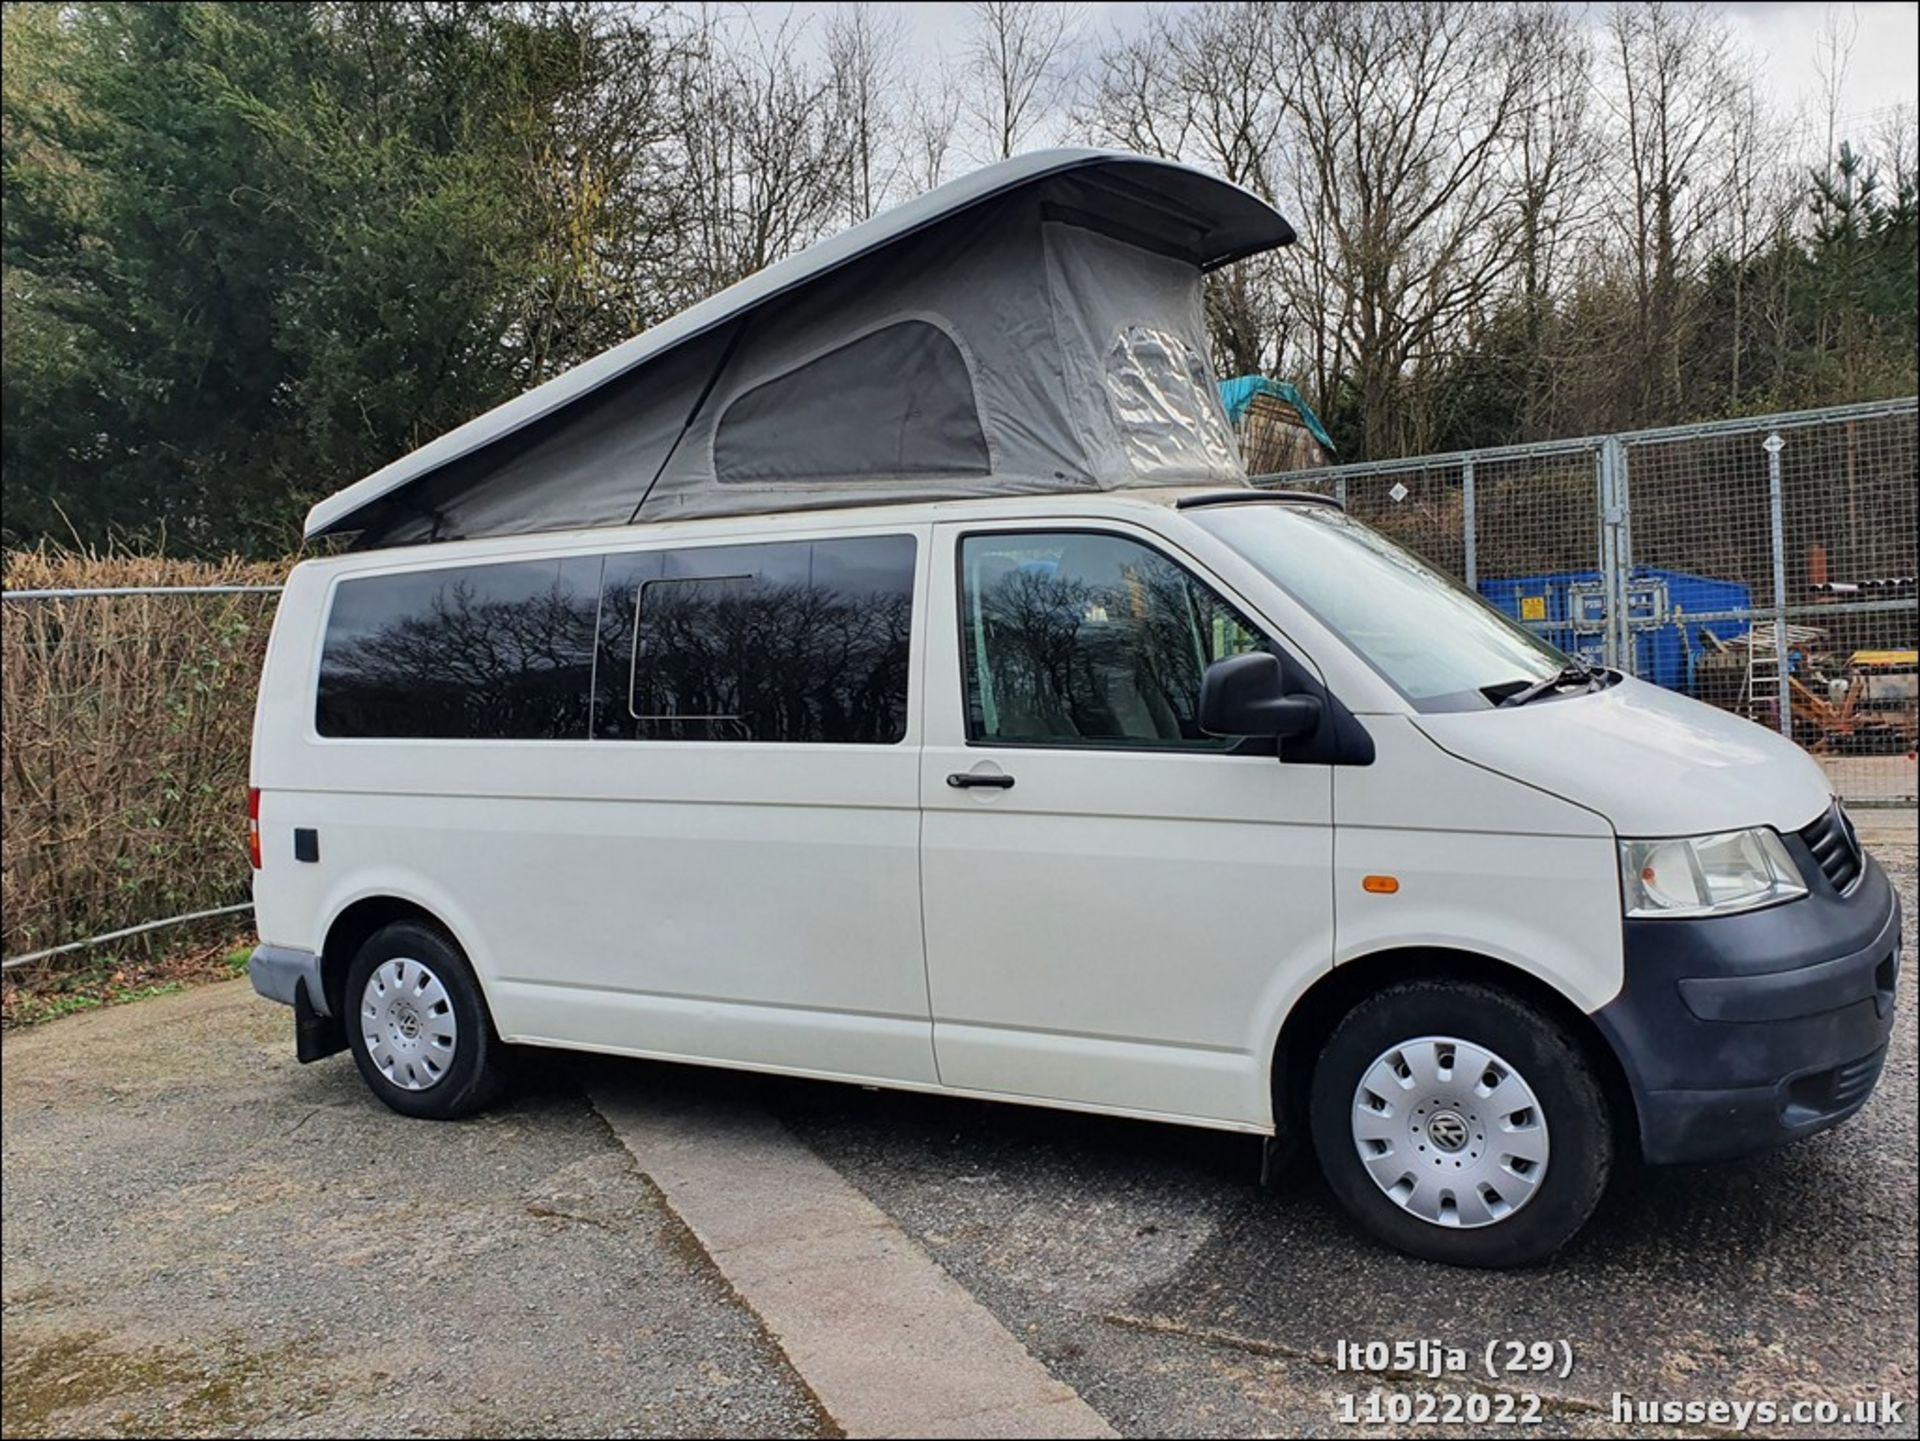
(1568, 609)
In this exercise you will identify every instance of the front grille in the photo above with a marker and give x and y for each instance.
(1835, 847)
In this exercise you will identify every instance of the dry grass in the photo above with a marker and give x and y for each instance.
(124, 748)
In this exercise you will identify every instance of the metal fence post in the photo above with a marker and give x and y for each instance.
(1611, 511)
(1466, 503)
(1623, 556)
(1603, 493)
(1777, 522)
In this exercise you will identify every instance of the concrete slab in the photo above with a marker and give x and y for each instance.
(887, 1340)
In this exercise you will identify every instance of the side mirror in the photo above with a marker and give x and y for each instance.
(1245, 695)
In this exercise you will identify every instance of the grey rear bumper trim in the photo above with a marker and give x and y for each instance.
(277, 971)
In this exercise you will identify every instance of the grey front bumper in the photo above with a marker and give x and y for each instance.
(1738, 1033)
(277, 971)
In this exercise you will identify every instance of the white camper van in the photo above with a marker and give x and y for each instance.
(884, 673)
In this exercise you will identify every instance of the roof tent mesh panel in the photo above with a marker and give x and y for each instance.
(905, 386)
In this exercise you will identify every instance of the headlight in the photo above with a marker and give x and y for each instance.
(1708, 875)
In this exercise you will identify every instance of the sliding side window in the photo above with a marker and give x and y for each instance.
(803, 642)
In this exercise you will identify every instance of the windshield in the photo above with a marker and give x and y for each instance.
(1440, 645)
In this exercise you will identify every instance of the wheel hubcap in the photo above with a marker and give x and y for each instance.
(407, 1020)
(1450, 1132)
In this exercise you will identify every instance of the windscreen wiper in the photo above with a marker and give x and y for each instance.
(1575, 672)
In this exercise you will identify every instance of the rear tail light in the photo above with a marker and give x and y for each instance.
(253, 826)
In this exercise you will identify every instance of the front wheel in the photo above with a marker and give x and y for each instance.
(1458, 1123)
(418, 1024)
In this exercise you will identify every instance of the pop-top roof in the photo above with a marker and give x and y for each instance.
(1033, 326)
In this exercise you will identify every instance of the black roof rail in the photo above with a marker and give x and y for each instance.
(1252, 497)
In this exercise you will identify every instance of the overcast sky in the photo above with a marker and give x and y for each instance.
(1882, 72)
(1784, 38)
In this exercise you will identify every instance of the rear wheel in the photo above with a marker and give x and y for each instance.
(418, 1024)
(1458, 1123)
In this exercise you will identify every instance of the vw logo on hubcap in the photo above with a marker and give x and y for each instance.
(1447, 1131)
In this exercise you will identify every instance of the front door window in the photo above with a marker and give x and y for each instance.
(1077, 638)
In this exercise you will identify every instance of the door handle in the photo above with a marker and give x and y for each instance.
(962, 780)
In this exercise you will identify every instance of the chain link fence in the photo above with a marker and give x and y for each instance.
(1764, 565)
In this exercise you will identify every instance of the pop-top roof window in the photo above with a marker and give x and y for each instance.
(1164, 403)
(896, 402)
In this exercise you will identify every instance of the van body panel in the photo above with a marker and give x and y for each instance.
(285, 898)
(832, 1045)
(1655, 763)
(1110, 931)
(1414, 784)
(396, 857)
(1485, 865)
(1540, 904)
(737, 923)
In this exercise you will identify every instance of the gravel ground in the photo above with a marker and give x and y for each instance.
(203, 1238)
(1139, 1263)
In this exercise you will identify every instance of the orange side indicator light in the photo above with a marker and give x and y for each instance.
(1380, 885)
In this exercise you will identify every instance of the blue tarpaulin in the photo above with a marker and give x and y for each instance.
(1237, 394)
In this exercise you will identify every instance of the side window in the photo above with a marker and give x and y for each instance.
(479, 652)
(800, 641)
(1075, 638)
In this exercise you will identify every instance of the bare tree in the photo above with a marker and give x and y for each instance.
(1015, 68)
(1205, 86)
(933, 117)
(1136, 100)
(1678, 88)
(602, 177)
(1897, 146)
(1554, 159)
(863, 57)
(1832, 58)
(1758, 212)
(1403, 114)
(763, 150)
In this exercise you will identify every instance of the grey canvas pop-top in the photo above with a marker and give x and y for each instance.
(1034, 326)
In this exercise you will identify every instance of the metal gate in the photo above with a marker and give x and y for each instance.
(1765, 565)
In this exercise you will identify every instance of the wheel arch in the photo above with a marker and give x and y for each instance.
(1313, 1017)
(350, 930)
